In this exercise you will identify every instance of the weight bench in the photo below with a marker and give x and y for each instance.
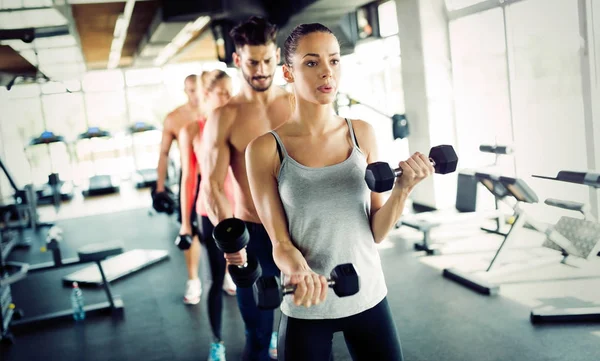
(425, 222)
(465, 211)
(90, 253)
(500, 186)
(571, 236)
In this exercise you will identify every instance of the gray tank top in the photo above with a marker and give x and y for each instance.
(328, 214)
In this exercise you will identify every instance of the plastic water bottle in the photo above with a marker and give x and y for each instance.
(77, 303)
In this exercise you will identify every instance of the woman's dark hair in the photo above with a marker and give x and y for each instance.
(291, 43)
(254, 31)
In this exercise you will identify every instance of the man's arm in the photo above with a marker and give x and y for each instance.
(163, 159)
(215, 163)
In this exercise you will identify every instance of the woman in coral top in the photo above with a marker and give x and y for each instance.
(216, 88)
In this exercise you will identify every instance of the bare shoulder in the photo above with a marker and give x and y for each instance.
(221, 120)
(365, 134)
(283, 96)
(172, 118)
(189, 130)
(262, 144)
(262, 148)
(362, 127)
(227, 113)
(282, 93)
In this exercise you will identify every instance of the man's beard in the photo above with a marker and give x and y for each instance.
(255, 87)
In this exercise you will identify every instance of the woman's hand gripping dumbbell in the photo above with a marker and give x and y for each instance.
(380, 177)
(268, 292)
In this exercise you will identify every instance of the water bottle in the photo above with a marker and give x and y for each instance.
(77, 303)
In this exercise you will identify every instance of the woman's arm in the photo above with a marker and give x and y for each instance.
(385, 215)
(189, 175)
(262, 165)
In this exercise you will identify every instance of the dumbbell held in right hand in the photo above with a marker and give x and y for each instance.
(380, 177)
(268, 292)
(231, 236)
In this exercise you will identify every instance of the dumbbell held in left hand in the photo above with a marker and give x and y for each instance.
(380, 177)
(268, 292)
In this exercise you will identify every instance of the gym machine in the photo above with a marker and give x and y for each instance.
(144, 177)
(55, 190)
(22, 212)
(117, 267)
(497, 150)
(578, 236)
(12, 320)
(98, 183)
(502, 188)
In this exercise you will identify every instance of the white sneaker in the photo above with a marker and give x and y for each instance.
(193, 290)
(228, 286)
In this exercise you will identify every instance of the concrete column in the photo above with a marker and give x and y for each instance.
(589, 19)
(427, 82)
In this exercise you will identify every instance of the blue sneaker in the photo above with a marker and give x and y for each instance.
(217, 352)
(273, 346)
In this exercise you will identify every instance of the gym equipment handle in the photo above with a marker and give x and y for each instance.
(570, 205)
(495, 149)
(398, 171)
(289, 289)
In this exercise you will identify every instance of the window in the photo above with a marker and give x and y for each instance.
(388, 19)
(149, 76)
(545, 45)
(482, 106)
(149, 104)
(376, 82)
(65, 114)
(105, 80)
(107, 110)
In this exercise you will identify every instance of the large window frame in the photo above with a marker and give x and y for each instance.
(587, 72)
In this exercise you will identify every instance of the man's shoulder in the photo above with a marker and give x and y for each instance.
(176, 112)
(173, 116)
(282, 93)
(225, 113)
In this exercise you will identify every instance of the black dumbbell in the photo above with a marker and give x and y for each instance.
(268, 292)
(231, 235)
(184, 241)
(163, 202)
(380, 177)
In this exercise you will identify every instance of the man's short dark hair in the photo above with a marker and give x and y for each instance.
(254, 31)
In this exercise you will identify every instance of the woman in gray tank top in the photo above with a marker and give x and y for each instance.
(307, 183)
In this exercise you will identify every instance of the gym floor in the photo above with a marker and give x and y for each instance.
(437, 319)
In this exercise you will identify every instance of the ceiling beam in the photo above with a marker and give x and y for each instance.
(67, 11)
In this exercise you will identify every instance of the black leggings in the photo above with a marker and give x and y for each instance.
(217, 270)
(369, 335)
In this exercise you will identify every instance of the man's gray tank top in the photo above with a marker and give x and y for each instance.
(328, 214)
